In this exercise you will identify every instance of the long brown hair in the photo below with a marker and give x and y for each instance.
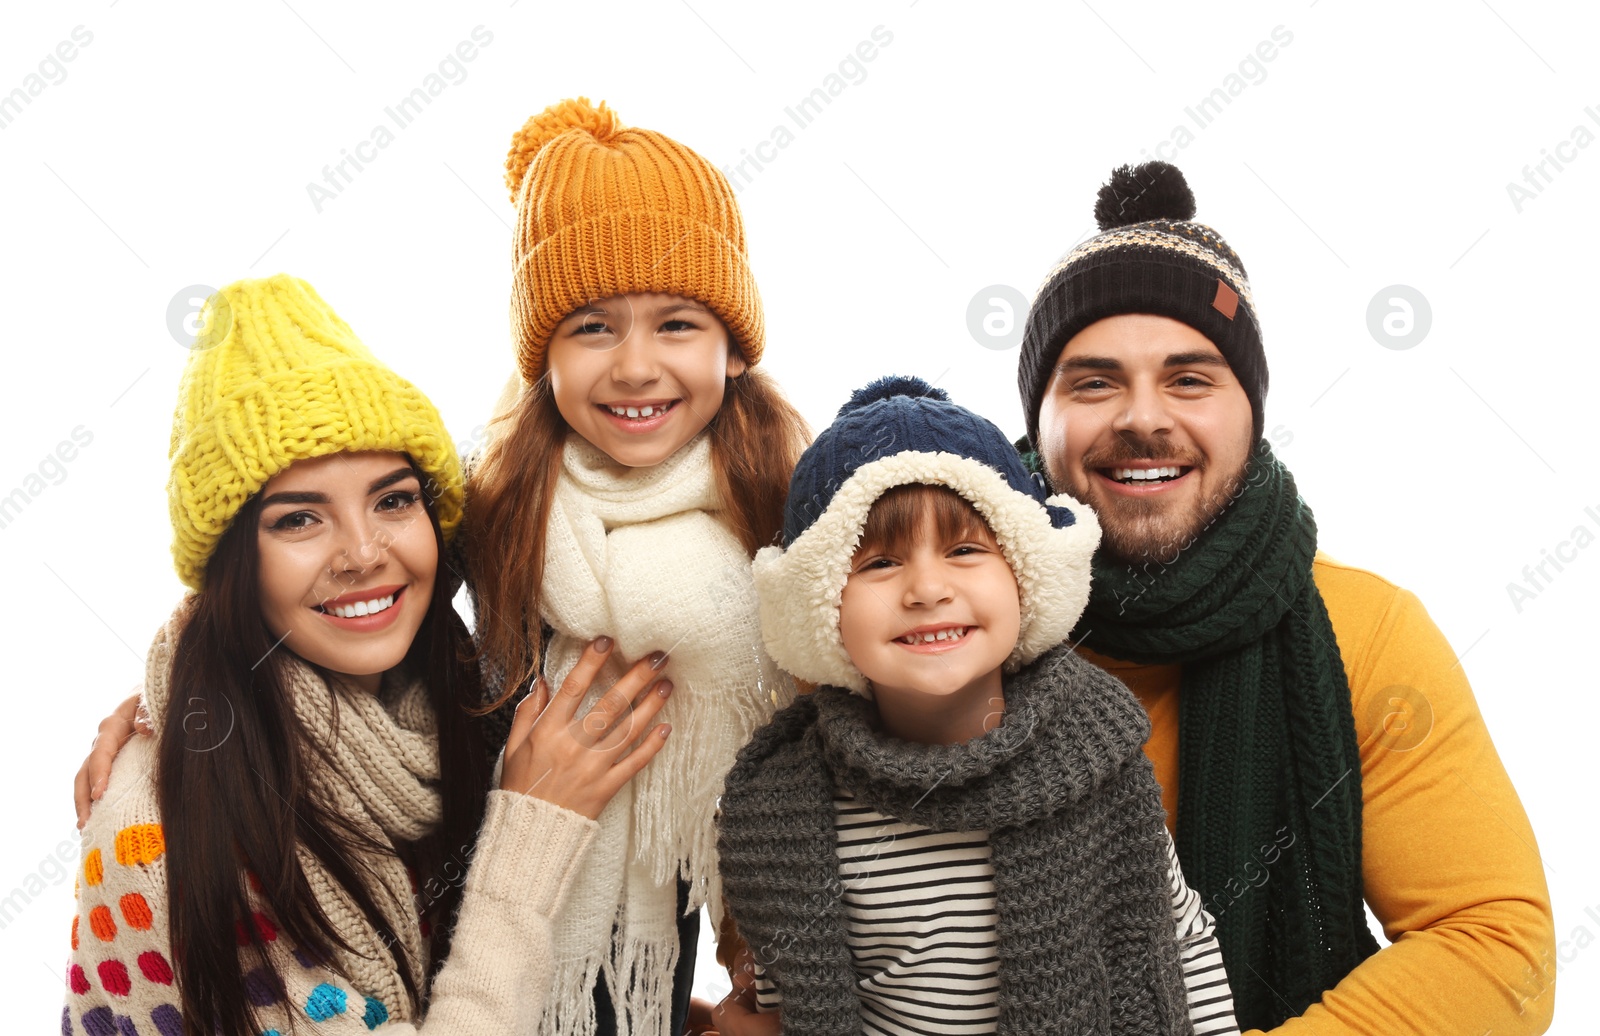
(757, 437)
(232, 782)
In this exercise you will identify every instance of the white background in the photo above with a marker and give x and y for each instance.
(1376, 150)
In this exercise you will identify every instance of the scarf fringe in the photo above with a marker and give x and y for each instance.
(638, 976)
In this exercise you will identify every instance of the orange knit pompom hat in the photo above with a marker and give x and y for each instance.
(605, 210)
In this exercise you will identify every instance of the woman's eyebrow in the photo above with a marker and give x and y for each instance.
(397, 475)
(312, 497)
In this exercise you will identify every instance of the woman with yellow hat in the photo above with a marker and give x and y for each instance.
(313, 825)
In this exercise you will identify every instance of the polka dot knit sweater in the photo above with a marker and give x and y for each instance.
(120, 976)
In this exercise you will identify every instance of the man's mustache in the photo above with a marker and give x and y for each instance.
(1131, 449)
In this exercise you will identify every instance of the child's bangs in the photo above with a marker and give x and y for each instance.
(896, 518)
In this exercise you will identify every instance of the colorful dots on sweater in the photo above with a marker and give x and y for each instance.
(74, 931)
(140, 844)
(168, 1021)
(114, 978)
(94, 871)
(155, 967)
(99, 1022)
(101, 924)
(262, 987)
(324, 1002)
(77, 979)
(376, 1014)
(266, 931)
(136, 912)
(66, 1021)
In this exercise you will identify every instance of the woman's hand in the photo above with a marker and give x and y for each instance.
(576, 762)
(115, 730)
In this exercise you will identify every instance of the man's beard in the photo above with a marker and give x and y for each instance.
(1147, 528)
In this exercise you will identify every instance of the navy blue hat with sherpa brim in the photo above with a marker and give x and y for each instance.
(899, 431)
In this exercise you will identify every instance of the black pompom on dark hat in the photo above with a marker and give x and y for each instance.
(1152, 191)
(1149, 257)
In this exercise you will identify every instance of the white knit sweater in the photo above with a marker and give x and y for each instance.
(495, 981)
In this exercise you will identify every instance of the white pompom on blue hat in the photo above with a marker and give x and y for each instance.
(898, 431)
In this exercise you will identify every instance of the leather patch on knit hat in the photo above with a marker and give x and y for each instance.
(1227, 300)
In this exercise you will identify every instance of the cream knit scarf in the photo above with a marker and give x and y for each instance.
(384, 752)
(639, 554)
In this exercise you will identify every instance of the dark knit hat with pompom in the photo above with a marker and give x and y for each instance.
(1149, 257)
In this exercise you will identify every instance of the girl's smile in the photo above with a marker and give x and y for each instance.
(640, 375)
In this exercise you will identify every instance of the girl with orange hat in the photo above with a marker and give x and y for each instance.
(640, 460)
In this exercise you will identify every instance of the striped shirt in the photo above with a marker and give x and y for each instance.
(923, 931)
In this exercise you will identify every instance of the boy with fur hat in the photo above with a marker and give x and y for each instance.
(959, 830)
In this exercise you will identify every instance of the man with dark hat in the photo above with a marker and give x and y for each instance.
(1316, 739)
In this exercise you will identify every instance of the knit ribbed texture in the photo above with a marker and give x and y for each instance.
(1171, 267)
(894, 415)
(604, 210)
(1086, 940)
(1268, 743)
(120, 976)
(642, 557)
(274, 377)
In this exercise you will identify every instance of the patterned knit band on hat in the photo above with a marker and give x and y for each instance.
(275, 377)
(605, 210)
(899, 431)
(1150, 257)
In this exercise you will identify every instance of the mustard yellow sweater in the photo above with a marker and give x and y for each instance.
(1448, 859)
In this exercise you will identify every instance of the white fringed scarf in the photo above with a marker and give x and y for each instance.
(383, 785)
(638, 554)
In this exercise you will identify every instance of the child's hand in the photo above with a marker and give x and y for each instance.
(579, 763)
(737, 1014)
(115, 730)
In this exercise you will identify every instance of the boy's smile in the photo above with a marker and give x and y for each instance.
(930, 623)
(935, 637)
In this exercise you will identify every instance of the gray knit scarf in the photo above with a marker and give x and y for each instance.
(1075, 825)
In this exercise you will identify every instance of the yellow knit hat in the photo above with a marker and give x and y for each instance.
(274, 377)
(604, 210)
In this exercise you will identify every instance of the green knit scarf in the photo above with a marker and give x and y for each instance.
(1269, 800)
